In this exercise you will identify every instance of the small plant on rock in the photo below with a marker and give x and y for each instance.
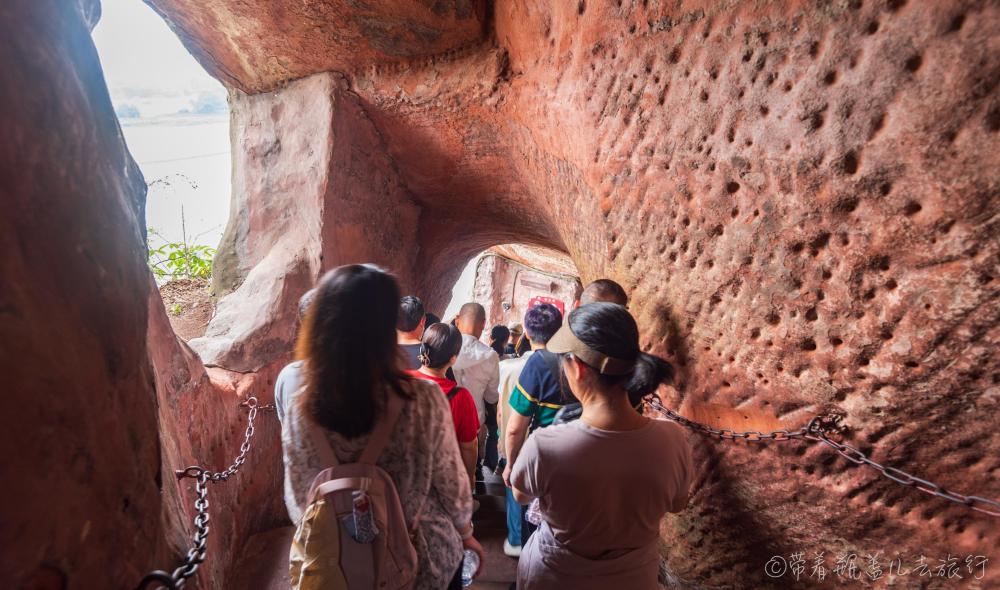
(184, 259)
(179, 260)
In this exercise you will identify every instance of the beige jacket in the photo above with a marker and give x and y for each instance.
(510, 372)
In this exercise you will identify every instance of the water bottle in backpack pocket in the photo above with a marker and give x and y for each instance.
(353, 534)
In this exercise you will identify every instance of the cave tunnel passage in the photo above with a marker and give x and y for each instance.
(507, 279)
(801, 202)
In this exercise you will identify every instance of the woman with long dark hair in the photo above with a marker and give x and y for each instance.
(352, 372)
(603, 481)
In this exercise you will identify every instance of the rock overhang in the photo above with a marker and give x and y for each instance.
(797, 198)
(800, 198)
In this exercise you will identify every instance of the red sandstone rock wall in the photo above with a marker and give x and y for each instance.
(801, 198)
(313, 189)
(236, 42)
(81, 456)
(102, 402)
(543, 259)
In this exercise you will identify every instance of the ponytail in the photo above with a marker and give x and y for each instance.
(611, 330)
(650, 371)
(440, 343)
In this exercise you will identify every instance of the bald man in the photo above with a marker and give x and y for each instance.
(604, 290)
(478, 370)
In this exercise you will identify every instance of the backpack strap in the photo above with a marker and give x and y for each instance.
(383, 430)
(453, 392)
(317, 435)
(315, 432)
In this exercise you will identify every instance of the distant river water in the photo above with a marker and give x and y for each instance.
(186, 161)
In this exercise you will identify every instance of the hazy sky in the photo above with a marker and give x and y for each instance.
(174, 118)
(146, 65)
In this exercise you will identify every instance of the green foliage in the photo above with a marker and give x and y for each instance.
(180, 260)
(176, 309)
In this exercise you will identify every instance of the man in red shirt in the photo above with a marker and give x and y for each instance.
(438, 351)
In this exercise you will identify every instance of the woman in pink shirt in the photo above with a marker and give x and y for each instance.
(604, 481)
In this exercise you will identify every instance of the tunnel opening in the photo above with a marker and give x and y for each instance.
(174, 118)
(509, 279)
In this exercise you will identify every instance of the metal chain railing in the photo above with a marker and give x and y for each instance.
(196, 555)
(725, 433)
(819, 429)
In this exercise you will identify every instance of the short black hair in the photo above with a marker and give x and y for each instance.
(541, 322)
(439, 344)
(411, 311)
(499, 335)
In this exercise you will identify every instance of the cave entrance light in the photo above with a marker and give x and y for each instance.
(509, 279)
(175, 120)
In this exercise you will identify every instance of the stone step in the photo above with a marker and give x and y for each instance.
(264, 562)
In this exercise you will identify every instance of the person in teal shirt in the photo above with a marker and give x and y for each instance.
(539, 393)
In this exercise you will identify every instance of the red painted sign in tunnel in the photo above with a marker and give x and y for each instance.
(539, 299)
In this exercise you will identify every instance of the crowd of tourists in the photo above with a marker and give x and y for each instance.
(390, 417)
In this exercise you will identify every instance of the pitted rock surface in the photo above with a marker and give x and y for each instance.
(801, 198)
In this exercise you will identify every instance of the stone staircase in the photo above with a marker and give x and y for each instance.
(491, 530)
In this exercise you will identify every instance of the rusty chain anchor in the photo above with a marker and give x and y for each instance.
(196, 555)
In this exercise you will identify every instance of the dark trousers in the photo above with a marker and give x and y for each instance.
(492, 455)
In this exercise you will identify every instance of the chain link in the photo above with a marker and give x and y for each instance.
(199, 542)
(819, 430)
(262, 407)
(725, 433)
(251, 403)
